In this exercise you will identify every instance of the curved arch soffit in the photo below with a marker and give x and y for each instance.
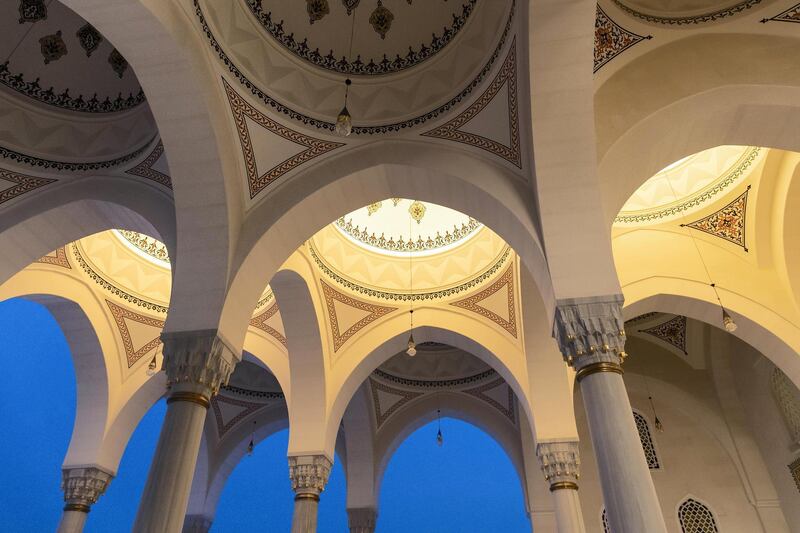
(374, 172)
(452, 405)
(681, 298)
(707, 91)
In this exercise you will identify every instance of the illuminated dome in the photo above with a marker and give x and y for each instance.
(688, 184)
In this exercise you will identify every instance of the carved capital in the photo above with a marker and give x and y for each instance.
(590, 330)
(560, 462)
(83, 485)
(199, 359)
(362, 520)
(309, 474)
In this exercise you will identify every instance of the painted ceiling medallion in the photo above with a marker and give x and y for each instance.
(53, 47)
(317, 9)
(790, 15)
(417, 211)
(381, 20)
(611, 39)
(89, 38)
(728, 223)
(350, 5)
(118, 63)
(32, 11)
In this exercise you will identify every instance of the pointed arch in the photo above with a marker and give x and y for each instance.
(696, 517)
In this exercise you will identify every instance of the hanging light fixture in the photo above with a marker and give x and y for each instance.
(252, 443)
(439, 437)
(656, 420)
(152, 366)
(412, 346)
(344, 121)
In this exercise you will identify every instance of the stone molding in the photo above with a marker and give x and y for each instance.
(196, 523)
(309, 473)
(197, 358)
(590, 330)
(362, 520)
(84, 485)
(560, 461)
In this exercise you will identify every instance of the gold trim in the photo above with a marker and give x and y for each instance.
(193, 397)
(563, 485)
(594, 368)
(77, 507)
(306, 496)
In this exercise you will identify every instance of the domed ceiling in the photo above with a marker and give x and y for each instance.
(434, 361)
(678, 12)
(53, 56)
(688, 184)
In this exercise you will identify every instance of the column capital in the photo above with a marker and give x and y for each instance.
(197, 362)
(560, 462)
(591, 332)
(309, 474)
(362, 519)
(82, 486)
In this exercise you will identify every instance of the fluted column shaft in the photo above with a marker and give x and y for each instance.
(82, 487)
(196, 365)
(560, 462)
(309, 475)
(362, 520)
(591, 335)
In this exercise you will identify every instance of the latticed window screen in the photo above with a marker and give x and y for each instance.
(696, 518)
(788, 399)
(604, 518)
(647, 441)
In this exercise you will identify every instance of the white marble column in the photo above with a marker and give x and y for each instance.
(196, 365)
(82, 487)
(560, 462)
(309, 475)
(362, 520)
(196, 523)
(591, 335)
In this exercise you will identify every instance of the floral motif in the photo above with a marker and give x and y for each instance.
(728, 223)
(611, 39)
(402, 245)
(32, 11)
(672, 332)
(89, 38)
(417, 211)
(350, 5)
(316, 10)
(152, 247)
(381, 20)
(373, 208)
(118, 62)
(53, 47)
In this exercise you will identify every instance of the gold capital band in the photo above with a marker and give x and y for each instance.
(78, 507)
(306, 496)
(594, 368)
(561, 485)
(194, 397)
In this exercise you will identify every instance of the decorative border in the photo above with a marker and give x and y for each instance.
(790, 15)
(406, 297)
(260, 322)
(148, 245)
(450, 131)
(405, 397)
(60, 259)
(434, 384)
(258, 182)
(357, 130)
(343, 65)
(224, 427)
(33, 161)
(472, 302)
(267, 395)
(699, 225)
(113, 289)
(479, 393)
(120, 314)
(794, 469)
(376, 312)
(145, 168)
(32, 89)
(402, 245)
(701, 198)
(621, 38)
(22, 184)
(695, 19)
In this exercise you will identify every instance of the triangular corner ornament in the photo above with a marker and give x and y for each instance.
(454, 129)
(473, 303)
(57, 257)
(501, 400)
(146, 168)
(260, 322)
(121, 316)
(789, 15)
(611, 39)
(258, 180)
(393, 400)
(369, 313)
(728, 223)
(673, 332)
(230, 411)
(20, 184)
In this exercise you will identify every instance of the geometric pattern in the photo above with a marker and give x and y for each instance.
(480, 393)
(611, 39)
(260, 322)
(728, 223)
(59, 259)
(373, 311)
(507, 77)
(790, 15)
(794, 468)
(257, 180)
(647, 441)
(604, 518)
(22, 184)
(121, 316)
(145, 168)
(472, 303)
(383, 412)
(696, 517)
(787, 397)
(672, 332)
(246, 409)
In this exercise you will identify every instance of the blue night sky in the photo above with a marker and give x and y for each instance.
(467, 486)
